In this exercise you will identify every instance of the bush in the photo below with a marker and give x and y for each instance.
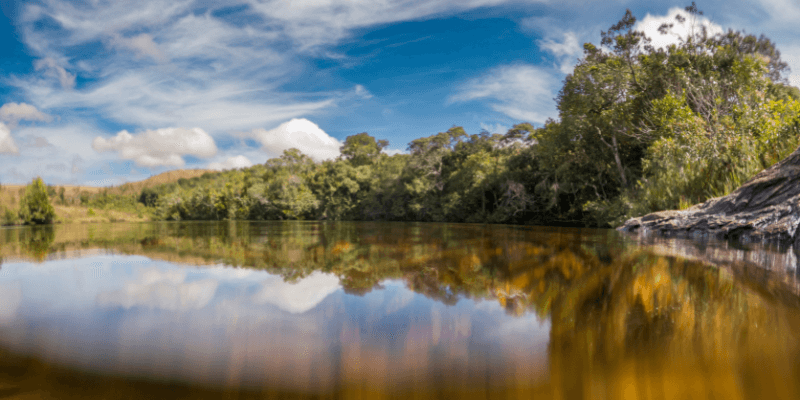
(8, 217)
(148, 197)
(35, 207)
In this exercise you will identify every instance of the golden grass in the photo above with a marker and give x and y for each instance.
(160, 179)
(80, 214)
(70, 209)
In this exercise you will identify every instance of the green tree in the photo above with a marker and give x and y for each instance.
(148, 197)
(35, 207)
(362, 149)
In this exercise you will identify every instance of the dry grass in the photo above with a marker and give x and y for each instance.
(160, 179)
(11, 194)
(80, 214)
(70, 209)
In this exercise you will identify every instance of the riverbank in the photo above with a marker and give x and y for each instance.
(766, 208)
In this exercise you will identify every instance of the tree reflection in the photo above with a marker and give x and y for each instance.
(626, 321)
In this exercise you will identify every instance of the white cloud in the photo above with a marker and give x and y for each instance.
(650, 24)
(392, 152)
(53, 70)
(496, 128)
(784, 11)
(300, 134)
(566, 51)
(236, 162)
(221, 76)
(362, 92)
(312, 23)
(791, 55)
(142, 44)
(523, 92)
(7, 144)
(300, 296)
(160, 147)
(12, 113)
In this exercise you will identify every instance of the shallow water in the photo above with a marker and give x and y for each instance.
(391, 310)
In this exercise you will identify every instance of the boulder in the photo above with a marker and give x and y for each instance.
(766, 209)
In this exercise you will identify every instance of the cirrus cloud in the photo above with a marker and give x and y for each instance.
(523, 92)
(160, 147)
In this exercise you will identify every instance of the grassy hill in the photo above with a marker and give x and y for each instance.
(75, 203)
(155, 180)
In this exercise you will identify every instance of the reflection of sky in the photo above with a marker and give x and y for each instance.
(129, 314)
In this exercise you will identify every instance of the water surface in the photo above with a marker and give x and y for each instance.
(391, 310)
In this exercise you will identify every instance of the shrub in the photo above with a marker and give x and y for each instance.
(35, 207)
(8, 217)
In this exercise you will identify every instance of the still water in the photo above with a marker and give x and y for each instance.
(391, 310)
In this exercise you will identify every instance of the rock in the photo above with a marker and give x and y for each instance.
(766, 208)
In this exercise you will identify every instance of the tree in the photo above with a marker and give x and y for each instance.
(35, 207)
(362, 149)
(148, 197)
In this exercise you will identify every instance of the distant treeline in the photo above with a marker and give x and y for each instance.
(640, 129)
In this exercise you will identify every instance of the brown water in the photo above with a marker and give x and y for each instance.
(391, 310)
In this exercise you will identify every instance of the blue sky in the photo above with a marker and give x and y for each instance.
(100, 92)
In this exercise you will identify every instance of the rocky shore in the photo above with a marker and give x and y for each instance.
(765, 209)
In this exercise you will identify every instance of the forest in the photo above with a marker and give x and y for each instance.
(639, 129)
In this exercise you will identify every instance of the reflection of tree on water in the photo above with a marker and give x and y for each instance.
(34, 242)
(656, 327)
(624, 322)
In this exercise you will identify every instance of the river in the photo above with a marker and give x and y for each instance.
(361, 310)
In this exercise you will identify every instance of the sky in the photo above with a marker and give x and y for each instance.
(102, 92)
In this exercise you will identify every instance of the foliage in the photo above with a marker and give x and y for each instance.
(35, 207)
(639, 129)
(8, 217)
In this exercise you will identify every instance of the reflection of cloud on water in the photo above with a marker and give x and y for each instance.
(10, 299)
(167, 290)
(297, 297)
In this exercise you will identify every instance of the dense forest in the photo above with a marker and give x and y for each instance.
(639, 129)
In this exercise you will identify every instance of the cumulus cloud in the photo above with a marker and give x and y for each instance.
(160, 147)
(236, 162)
(300, 134)
(7, 144)
(142, 44)
(297, 297)
(679, 31)
(12, 113)
(523, 92)
(51, 69)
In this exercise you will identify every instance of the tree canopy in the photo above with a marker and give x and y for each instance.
(639, 129)
(35, 207)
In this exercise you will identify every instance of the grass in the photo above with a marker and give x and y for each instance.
(70, 208)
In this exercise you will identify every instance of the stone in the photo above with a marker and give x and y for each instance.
(766, 209)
